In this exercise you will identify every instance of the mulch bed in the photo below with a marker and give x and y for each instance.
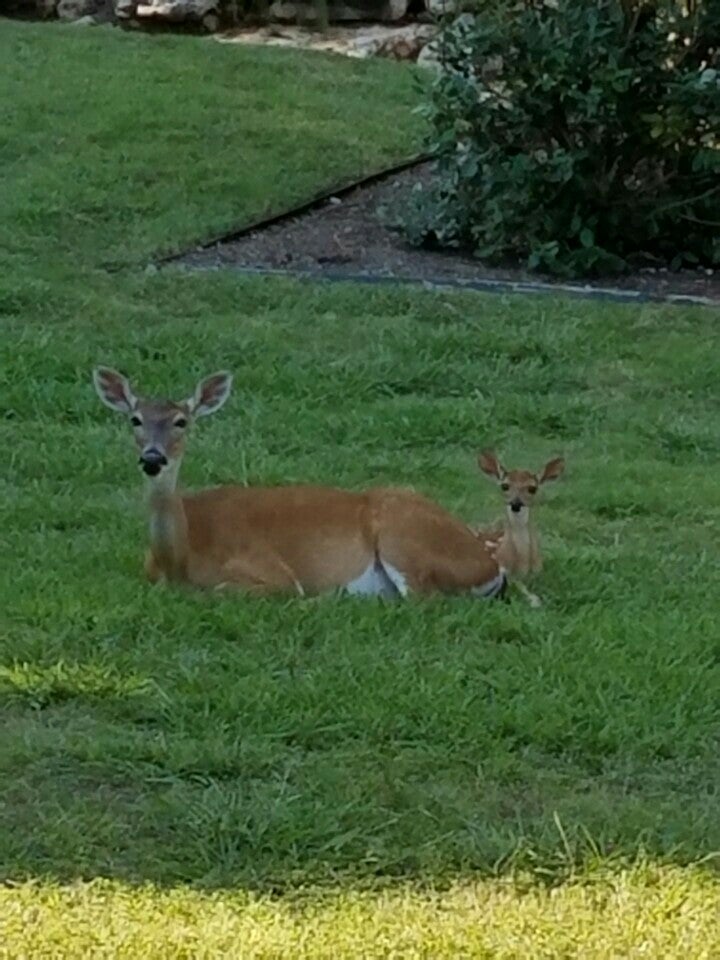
(346, 237)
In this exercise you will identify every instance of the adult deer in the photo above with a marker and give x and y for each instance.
(516, 545)
(303, 539)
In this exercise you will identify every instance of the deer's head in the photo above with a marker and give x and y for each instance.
(160, 426)
(519, 488)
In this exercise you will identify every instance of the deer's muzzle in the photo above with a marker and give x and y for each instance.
(152, 461)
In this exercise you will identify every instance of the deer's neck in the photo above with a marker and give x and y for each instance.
(520, 549)
(168, 524)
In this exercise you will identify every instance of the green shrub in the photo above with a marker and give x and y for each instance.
(580, 135)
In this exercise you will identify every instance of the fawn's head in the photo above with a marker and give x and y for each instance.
(160, 426)
(518, 487)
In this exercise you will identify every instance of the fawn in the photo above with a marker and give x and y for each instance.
(300, 539)
(516, 545)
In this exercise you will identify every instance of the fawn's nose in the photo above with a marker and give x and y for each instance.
(152, 461)
(516, 505)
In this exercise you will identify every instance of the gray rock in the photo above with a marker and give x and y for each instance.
(46, 8)
(396, 43)
(76, 9)
(401, 42)
(125, 9)
(384, 10)
(429, 57)
(175, 11)
(440, 7)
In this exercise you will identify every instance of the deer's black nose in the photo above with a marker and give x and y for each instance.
(516, 506)
(152, 461)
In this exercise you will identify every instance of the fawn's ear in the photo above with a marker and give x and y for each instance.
(552, 469)
(490, 465)
(114, 390)
(210, 394)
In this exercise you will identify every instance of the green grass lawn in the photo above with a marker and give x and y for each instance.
(200, 776)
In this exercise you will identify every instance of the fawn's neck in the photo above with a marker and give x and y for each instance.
(521, 547)
(168, 524)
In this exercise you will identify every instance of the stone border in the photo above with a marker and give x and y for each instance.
(212, 15)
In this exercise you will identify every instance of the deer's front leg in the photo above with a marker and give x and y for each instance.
(152, 571)
(531, 598)
(259, 575)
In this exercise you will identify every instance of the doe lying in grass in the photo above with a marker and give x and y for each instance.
(293, 538)
(516, 544)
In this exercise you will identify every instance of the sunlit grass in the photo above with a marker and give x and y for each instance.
(646, 911)
(40, 686)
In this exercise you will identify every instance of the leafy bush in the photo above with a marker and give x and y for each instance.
(581, 135)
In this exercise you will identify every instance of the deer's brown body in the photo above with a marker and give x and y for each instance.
(311, 540)
(303, 539)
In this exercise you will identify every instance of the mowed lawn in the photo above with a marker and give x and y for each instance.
(205, 776)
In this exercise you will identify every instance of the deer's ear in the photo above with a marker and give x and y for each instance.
(114, 390)
(490, 465)
(210, 394)
(552, 469)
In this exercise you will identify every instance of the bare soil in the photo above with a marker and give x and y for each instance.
(348, 237)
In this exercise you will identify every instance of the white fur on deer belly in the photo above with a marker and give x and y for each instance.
(493, 588)
(373, 582)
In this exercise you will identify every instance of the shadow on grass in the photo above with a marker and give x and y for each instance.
(103, 776)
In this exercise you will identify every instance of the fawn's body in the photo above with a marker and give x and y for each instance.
(303, 539)
(516, 544)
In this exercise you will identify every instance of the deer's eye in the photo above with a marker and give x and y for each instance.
(505, 486)
(532, 489)
(135, 421)
(181, 423)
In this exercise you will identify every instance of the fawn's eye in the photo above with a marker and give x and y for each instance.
(135, 421)
(532, 489)
(505, 486)
(181, 423)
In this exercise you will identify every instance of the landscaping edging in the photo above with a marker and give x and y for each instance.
(340, 236)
